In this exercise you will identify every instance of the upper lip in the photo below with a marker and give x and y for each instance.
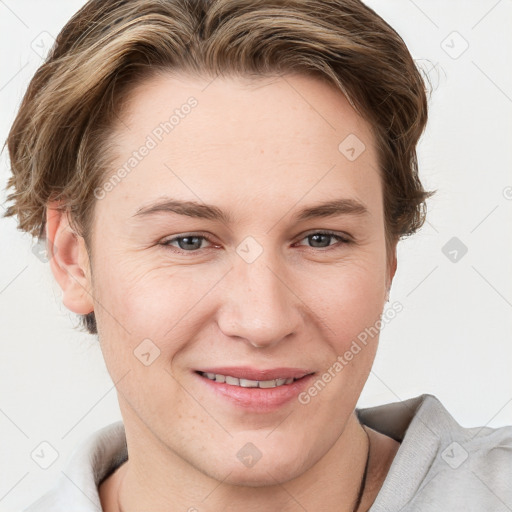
(249, 373)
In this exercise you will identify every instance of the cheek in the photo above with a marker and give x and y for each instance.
(349, 299)
(349, 309)
(141, 301)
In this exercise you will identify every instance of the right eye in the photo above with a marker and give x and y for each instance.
(185, 243)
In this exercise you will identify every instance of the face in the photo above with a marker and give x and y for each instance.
(250, 278)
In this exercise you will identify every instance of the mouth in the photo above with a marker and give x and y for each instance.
(248, 383)
(254, 389)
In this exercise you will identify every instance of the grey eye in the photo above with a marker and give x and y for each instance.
(186, 243)
(320, 239)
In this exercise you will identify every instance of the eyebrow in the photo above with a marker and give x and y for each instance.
(343, 206)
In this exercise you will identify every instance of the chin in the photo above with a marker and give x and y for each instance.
(263, 477)
(271, 469)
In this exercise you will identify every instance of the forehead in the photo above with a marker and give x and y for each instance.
(235, 107)
(291, 136)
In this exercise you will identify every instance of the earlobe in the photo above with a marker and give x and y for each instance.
(69, 261)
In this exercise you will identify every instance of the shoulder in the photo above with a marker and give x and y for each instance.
(473, 466)
(441, 465)
(88, 465)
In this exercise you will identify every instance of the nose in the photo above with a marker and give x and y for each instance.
(259, 304)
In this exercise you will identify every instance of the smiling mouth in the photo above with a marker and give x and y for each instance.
(248, 383)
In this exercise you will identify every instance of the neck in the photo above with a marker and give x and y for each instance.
(155, 478)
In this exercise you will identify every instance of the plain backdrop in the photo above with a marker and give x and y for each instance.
(453, 337)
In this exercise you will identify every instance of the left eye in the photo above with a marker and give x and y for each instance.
(319, 238)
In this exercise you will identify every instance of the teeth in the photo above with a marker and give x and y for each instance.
(246, 383)
(232, 380)
(267, 383)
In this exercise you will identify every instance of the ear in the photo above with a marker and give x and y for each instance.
(69, 261)
(392, 265)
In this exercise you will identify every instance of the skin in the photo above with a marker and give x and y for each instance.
(260, 151)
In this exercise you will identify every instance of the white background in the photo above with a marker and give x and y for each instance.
(453, 338)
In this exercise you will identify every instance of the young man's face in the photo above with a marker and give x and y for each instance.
(259, 292)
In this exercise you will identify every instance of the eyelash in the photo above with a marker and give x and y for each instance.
(342, 240)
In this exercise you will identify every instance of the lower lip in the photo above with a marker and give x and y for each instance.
(258, 399)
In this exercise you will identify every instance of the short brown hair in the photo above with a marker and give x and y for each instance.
(56, 143)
